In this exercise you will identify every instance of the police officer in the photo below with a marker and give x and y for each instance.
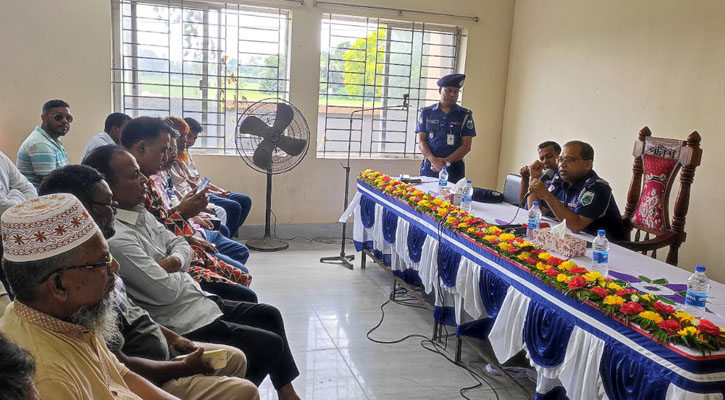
(577, 194)
(445, 131)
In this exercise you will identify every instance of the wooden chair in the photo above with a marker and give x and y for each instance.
(656, 164)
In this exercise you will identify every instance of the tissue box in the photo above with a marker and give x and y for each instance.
(567, 247)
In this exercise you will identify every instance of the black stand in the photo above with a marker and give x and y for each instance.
(343, 258)
(267, 243)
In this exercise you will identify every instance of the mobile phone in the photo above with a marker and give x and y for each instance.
(203, 185)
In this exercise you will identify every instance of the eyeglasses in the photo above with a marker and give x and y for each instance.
(59, 117)
(568, 160)
(106, 264)
(113, 204)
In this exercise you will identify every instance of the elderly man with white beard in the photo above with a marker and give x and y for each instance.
(59, 267)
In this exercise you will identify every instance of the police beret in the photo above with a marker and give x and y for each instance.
(454, 80)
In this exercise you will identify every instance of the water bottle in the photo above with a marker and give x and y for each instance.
(443, 182)
(534, 220)
(467, 197)
(697, 288)
(600, 253)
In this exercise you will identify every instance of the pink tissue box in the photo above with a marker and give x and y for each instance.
(567, 247)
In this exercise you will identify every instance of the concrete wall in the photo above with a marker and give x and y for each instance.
(65, 52)
(600, 70)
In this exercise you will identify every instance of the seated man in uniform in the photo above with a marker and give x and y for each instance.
(445, 131)
(549, 156)
(577, 194)
(62, 274)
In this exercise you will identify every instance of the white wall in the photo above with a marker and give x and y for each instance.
(63, 50)
(599, 70)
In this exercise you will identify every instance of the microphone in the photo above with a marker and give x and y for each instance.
(405, 100)
(545, 176)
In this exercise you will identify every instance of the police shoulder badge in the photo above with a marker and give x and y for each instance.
(469, 124)
(587, 198)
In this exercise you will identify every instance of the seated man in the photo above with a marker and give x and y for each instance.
(14, 186)
(17, 368)
(549, 156)
(577, 194)
(153, 264)
(111, 133)
(237, 205)
(42, 151)
(62, 274)
(146, 347)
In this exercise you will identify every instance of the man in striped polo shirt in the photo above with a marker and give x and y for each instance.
(42, 151)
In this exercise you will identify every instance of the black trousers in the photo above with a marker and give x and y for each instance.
(257, 330)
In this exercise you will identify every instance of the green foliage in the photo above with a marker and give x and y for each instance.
(365, 61)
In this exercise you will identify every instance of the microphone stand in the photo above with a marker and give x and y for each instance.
(343, 258)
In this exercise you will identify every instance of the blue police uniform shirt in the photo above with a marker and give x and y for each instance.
(444, 132)
(590, 197)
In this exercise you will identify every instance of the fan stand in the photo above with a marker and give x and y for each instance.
(267, 243)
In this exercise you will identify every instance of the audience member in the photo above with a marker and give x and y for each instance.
(111, 133)
(146, 347)
(14, 186)
(17, 368)
(549, 156)
(62, 274)
(237, 205)
(153, 261)
(42, 151)
(214, 275)
(577, 194)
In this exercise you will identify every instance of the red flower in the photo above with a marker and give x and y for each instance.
(552, 272)
(600, 291)
(536, 252)
(670, 325)
(631, 308)
(664, 308)
(625, 292)
(577, 283)
(555, 261)
(708, 327)
(578, 270)
(530, 260)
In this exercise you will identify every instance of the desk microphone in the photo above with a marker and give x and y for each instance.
(545, 176)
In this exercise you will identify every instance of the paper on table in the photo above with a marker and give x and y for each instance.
(559, 230)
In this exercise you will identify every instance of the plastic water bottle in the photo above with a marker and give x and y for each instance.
(697, 288)
(443, 182)
(467, 197)
(534, 219)
(600, 253)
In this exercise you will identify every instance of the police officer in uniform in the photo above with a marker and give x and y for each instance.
(445, 131)
(578, 194)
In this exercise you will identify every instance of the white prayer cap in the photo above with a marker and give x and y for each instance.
(45, 227)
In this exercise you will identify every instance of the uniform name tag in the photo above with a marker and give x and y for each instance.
(431, 135)
(450, 139)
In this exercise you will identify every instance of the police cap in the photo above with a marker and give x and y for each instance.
(453, 80)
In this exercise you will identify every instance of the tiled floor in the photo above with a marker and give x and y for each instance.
(328, 310)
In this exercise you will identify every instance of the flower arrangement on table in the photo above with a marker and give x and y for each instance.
(662, 321)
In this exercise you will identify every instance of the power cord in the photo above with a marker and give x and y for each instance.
(317, 239)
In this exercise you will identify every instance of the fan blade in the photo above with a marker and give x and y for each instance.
(255, 126)
(282, 118)
(291, 146)
(263, 155)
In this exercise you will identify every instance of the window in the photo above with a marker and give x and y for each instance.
(202, 60)
(371, 62)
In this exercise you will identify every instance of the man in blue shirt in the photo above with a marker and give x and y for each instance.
(577, 194)
(445, 131)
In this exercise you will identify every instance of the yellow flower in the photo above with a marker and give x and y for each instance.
(490, 238)
(470, 230)
(450, 219)
(613, 300)
(523, 255)
(614, 286)
(446, 204)
(505, 237)
(544, 256)
(526, 244)
(690, 330)
(412, 198)
(494, 230)
(646, 297)
(592, 276)
(437, 202)
(562, 278)
(504, 246)
(542, 267)
(652, 316)
(566, 266)
(463, 225)
(683, 316)
(426, 197)
(442, 211)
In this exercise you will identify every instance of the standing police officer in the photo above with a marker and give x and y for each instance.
(445, 131)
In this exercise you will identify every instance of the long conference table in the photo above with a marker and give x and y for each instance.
(577, 351)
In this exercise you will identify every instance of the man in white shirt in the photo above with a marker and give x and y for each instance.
(14, 186)
(111, 133)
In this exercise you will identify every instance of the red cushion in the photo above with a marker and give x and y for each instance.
(650, 211)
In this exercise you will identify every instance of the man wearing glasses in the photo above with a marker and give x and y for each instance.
(42, 151)
(578, 194)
